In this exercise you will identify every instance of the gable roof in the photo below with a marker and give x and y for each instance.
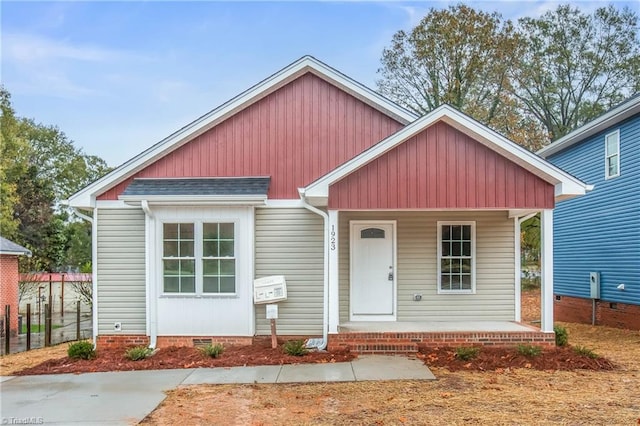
(10, 248)
(566, 186)
(85, 198)
(610, 118)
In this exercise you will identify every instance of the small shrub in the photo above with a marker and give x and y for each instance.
(584, 351)
(213, 351)
(529, 350)
(467, 353)
(138, 353)
(81, 350)
(562, 335)
(295, 348)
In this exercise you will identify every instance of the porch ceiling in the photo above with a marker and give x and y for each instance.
(435, 326)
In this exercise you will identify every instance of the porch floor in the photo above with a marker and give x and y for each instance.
(434, 326)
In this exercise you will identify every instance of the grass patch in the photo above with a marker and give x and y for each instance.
(37, 328)
(467, 353)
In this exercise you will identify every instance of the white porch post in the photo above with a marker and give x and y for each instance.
(334, 286)
(546, 237)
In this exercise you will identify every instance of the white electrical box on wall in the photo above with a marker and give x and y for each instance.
(594, 282)
(269, 289)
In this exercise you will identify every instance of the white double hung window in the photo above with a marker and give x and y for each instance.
(456, 257)
(612, 155)
(199, 258)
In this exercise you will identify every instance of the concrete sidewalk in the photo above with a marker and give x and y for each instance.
(127, 397)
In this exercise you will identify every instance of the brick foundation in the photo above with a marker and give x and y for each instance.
(114, 341)
(611, 314)
(127, 340)
(392, 342)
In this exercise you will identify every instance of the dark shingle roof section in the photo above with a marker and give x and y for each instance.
(9, 247)
(199, 186)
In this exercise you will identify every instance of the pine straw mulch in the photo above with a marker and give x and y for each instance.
(260, 353)
(500, 359)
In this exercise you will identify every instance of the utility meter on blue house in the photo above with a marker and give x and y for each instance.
(269, 289)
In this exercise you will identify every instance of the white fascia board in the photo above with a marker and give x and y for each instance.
(609, 119)
(85, 198)
(165, 200)
(14, 253)
(496, 142)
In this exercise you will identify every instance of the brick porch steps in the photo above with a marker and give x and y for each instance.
(410, 342)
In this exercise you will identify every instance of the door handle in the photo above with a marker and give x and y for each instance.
(390, 278)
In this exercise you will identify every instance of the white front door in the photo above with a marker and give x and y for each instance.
(372, 270)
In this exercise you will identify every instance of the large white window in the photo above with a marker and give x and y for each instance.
(199, 258)
(612, 155)
(456, 257)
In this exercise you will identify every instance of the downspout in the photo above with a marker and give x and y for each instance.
(94, 281)
(325, 310)
(153, 332)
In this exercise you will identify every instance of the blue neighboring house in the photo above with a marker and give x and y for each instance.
(600, 232)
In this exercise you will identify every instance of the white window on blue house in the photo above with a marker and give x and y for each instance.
(612, 155)
(456, 257)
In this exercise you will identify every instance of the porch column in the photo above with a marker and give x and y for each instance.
(546, 299)
(334, 283)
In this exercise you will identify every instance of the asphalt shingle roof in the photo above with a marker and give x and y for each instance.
(199, 186)
(9, 247)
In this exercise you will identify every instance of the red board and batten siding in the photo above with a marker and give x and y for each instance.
(441, 167)
(295, 135)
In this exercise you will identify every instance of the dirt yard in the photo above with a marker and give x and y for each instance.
(515, 394)
(503, 397)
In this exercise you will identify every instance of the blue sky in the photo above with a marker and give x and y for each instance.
(117, 77)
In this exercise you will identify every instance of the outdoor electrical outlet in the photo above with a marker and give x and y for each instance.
(417, 297)
(117, 326)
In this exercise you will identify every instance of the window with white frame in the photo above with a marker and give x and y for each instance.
(199, 258)
(456, 257)
(612, 155)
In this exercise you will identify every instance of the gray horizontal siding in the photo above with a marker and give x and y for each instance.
(600, 232)
(290, 242)
(121, 270)
(417, 267)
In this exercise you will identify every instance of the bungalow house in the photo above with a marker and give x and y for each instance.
(597, 237)
(9, 280)
(390, 230)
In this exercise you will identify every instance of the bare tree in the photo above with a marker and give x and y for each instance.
(84, 290)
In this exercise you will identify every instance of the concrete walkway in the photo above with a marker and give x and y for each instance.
(127, 397)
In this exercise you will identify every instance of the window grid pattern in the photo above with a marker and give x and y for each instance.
(218, 258)
(456, 260)
(178, 258)
(612, 154)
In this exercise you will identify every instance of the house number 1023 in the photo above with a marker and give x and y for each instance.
(332, 239)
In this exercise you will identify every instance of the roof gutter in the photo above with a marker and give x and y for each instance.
(325, 309)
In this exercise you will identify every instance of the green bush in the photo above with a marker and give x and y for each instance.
(529, 350)
(295, 348)
(81, 350)
(467, 353)
(584, 351)
(138, 353)
(562, 335)
(213, 351)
